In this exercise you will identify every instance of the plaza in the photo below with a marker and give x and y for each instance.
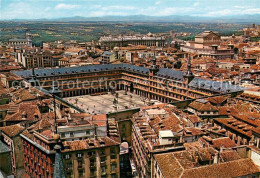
(105, 103)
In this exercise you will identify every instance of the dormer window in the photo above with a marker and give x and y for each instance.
(91, 144)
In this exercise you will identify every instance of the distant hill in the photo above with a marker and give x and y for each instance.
(255, 18)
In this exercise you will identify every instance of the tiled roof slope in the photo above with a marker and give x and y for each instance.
(217, 86)
(171, 167)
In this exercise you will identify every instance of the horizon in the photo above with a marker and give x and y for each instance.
(51, 9)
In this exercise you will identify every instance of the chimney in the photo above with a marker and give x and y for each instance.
(196, 159)
(221, 149)
(24, 116)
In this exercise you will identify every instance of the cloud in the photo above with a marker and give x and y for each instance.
(196, 4)
(158, 2)
(237, 11)
(23, 10)
(107, 8)
(251, 11)
(47, 9)
(66, 6)
(242, 7)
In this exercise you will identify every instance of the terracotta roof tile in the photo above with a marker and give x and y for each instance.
(12, 130)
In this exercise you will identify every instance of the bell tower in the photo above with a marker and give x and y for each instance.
(34, 81)
(188, 75)
(154, 68)
(29, 38)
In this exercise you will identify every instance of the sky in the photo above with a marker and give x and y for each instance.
(37, 9)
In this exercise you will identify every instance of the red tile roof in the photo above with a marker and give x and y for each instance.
(88, 144)
(226, 142)
(12, 130)
(172, 167)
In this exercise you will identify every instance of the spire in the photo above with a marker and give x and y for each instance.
(154, 69)
(33, 81)
(189, 66)
(188, 74)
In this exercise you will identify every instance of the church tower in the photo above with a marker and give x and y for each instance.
(154, 68)
(188, 75)
(34, 81)
(29, 38)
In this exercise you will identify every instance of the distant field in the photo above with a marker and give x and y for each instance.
(87, 31)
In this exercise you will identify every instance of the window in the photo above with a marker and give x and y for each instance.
(92, 171)
(92, 162)
(87, 132)
(79, 155)
(113, 175)
(103, 159)
(71, 134)
(113, 167)
(68, 174)
(102, 152)
(103, 169)
(80, 163)
(81, 172)
(112, 150)
(62, 135)
(113, 156)
(91, 153)
(68, 166)
(67, 156)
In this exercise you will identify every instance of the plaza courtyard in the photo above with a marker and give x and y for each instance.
(107, 102)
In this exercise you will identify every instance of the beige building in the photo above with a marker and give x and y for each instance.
(92, 158)
(207, 44)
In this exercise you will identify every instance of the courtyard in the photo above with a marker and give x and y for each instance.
(108, 102)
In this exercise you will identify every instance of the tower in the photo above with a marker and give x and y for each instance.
(188, 75)
(154, 68)
(29, 38)
(34, 81)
